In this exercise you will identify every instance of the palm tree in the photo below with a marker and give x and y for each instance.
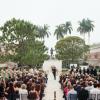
(43, 31)
(59, 32)
(82, 27)
(90, 28)
(67, 27)
(63, 29)
(85, 26)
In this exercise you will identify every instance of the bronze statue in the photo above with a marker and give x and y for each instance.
(51, 52)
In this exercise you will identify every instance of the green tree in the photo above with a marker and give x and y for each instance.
(82, 27)
(34, 53)
(67, 27)
(90, 28)
(63, 29)
(15, 32)
(59, 32)
(20, 40)
(43, 31)
(70, 49)
(85, 26)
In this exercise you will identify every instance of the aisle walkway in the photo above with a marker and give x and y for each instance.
(53, 85)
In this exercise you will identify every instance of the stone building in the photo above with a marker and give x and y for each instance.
(94, 55)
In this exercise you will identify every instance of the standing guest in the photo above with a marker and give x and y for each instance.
(66, 90)
(77, 70)
(71, 70)
(73, 81)
(3, 74)
(88, 71)
(84, 71)
(38, 88)
(11, 92)
(17, 86)
(29, 85)
(23, 92)
(83, 94)
(80, 71)
(33, 95)
(2, 92)
(90, 86)
(42, 89)
(72, 94)
(95, 72)
(95, 90)
(92, 71)
(78, 87)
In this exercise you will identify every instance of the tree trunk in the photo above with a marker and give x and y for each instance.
(84, 47)
(84, 36)
(88, 38)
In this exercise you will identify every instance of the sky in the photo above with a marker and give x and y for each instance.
(53, 13)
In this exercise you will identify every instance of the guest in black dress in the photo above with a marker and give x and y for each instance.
(11, 92)
(83, 93)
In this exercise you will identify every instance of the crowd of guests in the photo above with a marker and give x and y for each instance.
(78, 84)
(16, 84)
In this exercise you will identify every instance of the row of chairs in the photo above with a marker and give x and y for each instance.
(19, 97)
(94, 97)
(91, 97)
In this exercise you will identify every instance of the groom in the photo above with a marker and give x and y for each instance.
(54, 71)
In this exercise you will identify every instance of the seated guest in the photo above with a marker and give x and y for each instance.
(78, 87)
(72, 94)
(33, 95)
(11, 92)
(42, 85)
(29, 84)
(66, 90)
(95, 72)
(83, 94)
(23, 92)
(95, 91)
(2, 94)
(90, 86)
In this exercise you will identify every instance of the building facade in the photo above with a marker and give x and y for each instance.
(94, 55)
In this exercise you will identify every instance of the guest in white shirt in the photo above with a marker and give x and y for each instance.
(95, 90)
(90, 86)
(23, 92)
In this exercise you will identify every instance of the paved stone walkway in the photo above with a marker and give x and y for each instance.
(53, 86)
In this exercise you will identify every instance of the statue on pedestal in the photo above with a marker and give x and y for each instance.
(51, 52)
